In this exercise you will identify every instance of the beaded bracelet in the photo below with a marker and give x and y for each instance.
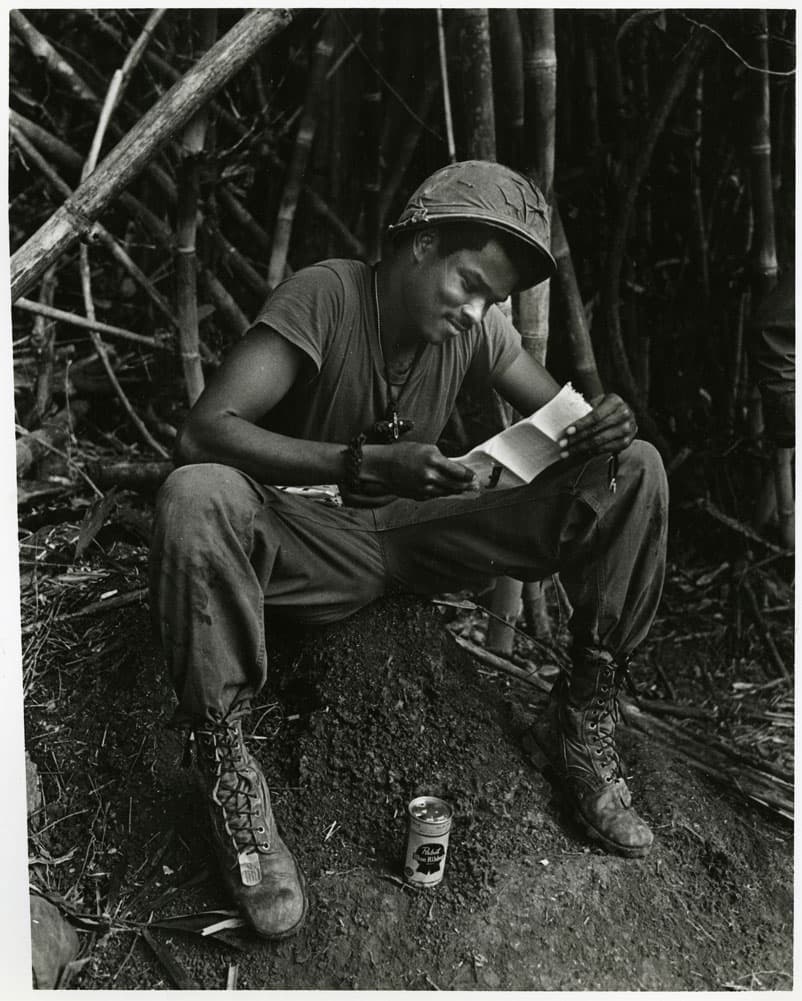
(353, 462)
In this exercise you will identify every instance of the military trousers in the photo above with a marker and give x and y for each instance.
(226, 547)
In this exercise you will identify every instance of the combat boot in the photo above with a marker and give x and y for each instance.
(258, 869)
(586, 711)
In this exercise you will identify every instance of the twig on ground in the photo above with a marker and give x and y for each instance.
(547, 649)
(661, 708)
(670, 690)
(125, 960)
(119, 601)
(500, 664)
(763, 626)
(178, 974)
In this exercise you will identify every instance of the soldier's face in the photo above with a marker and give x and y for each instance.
(450, 294)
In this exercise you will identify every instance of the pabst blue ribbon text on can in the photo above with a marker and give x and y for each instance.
(427, 843)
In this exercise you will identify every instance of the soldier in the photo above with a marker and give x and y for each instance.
(348, 376)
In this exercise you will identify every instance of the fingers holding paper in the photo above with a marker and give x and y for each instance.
(609, 428)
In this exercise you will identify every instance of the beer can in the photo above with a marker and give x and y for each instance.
(427, 843)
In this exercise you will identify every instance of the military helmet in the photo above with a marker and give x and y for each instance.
(479, 191)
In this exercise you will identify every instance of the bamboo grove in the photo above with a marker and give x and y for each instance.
(168, 167)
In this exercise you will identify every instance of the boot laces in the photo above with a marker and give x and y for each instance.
(237, 791)
(604, 716)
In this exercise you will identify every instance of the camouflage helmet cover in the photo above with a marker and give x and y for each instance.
(479, 191)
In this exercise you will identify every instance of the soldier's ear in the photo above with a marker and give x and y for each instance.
(424, 243)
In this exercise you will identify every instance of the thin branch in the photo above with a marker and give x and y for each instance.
(138, 49)
(80, 321)
(738, 56)
(387, 83)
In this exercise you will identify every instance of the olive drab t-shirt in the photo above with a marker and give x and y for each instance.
(328, 311)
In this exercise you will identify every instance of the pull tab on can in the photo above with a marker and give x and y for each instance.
(427, 843)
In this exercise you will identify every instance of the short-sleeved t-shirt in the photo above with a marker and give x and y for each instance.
(328, 311)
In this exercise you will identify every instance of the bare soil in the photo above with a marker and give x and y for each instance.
(361, 717)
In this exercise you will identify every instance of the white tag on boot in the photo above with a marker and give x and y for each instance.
(249, 869)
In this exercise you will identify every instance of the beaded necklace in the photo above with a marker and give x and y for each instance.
(393, 426)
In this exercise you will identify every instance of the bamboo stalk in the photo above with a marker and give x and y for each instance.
(46, 142)
(317, 204)
(76, 217)
(303, 145)
(372, 117)
(297, 164)
(590, 69)
(131, 475)
(335, 135)
(225, 304)
(539, 77)
(505, 607)
(764, 252)
(583, 359)
(611, 73)
(46, 54)
(506, 46)
(100, 233)
(222, 299)
(535, 609)
(243, 218)
(225, 250)
(449, 120)
(43, 343)
(476, 75)
(331, 72)
(610, 295)
(699, 227)
(186, 265)
(406, 150)
(784, 489)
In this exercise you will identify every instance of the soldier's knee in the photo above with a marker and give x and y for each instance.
(642, 460)
(201, 490)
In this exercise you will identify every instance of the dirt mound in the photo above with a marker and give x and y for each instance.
(370, 713)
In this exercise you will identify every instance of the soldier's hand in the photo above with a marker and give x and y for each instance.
(609, 428)
(411, 469)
